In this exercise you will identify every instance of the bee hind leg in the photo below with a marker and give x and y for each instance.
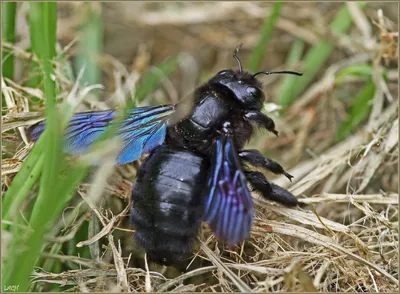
(268, 190)
(255, 158)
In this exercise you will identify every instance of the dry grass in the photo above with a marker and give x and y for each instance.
(344, 240)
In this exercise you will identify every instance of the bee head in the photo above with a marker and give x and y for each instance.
(243, 86)
(240, 86)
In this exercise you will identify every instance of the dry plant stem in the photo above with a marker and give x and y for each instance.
(19, 52)
(391, 198)
(71, 234)
(327, 242)
(148, 288)
(377, 106)
(122, 89)
(236, 11)
(326, 82)
(93, 195)
(306, 218)
(227, 11)
(222, 267)
(17, 120)
(11, 104)
(106, 230)
(305, 125)
(78, 260)
(189, 66)
(93, 275)
(200, 271)
(360, 20)
(122, 280)
(35, 92)
(310, 171)
(320, 273)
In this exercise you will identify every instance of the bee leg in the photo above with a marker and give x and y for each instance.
(268, 190)
(261, 120)
(255, 158)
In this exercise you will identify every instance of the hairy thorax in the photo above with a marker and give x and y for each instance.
(200, 128)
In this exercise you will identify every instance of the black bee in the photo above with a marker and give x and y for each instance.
(196, 170)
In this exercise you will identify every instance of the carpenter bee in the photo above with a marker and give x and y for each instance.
(196, 169)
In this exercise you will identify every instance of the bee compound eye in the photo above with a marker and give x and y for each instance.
(253, 91)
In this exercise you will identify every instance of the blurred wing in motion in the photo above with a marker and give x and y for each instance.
(144, 129)
(228, 206)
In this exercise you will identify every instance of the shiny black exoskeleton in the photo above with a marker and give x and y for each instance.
(167, 206)
(169, 195)
(196, 170)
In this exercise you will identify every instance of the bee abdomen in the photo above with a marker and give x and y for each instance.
(166, 220)
(165, 240)
(167, 203)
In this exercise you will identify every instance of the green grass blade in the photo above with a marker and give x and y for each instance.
(286, 89)
(43, 36)
(43, 40)
(42, 23)
(35, 78)
(54, 190)
(50, 265)
(321, 51)
(358, 112)
(258, 53)
(8, 35)
(90, 43)
(152, 79)
(358, 70)
(18, 272)
(23, 183)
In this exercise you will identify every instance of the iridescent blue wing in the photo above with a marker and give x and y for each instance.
(144, 129)
(228, 207)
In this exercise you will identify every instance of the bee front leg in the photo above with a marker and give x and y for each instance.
(255, 158)
(261, 120)
(268, 190)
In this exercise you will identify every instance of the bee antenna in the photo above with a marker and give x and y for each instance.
(236, 57)
(278, 72)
